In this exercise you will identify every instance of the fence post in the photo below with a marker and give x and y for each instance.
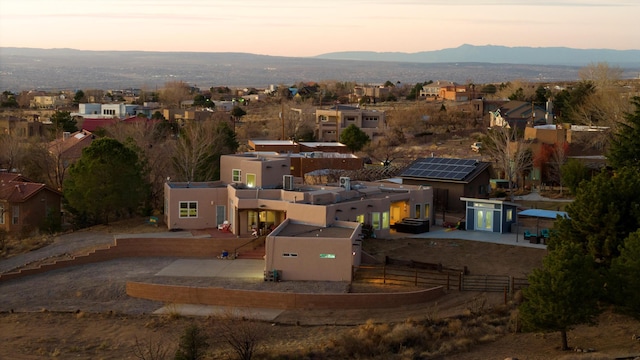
(511, 286)
(384, 274)
(505, 295)
(460, 282)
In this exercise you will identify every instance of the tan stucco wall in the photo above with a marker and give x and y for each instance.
(207, 199)
(308, 264)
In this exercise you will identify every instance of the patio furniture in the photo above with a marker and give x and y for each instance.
(533, 238)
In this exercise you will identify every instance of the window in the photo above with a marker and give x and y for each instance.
(323, 118)
(188, 209)
(15, 215)
(417, 215)
(509, 214)
(375, 220)
(236, 175)
(1, 214)
(290, 255)
(426, 210)
(385, 220)
(251, 180)
(360, 219)
(327, 256)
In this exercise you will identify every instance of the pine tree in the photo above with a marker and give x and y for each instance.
(563, 293)
(625, 142)
(106, 181)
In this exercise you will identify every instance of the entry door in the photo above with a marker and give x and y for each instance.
(484, 220)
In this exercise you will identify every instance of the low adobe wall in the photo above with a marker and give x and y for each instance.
(278, 300)
(139, 247)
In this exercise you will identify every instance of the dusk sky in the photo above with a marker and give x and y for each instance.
(308, 28)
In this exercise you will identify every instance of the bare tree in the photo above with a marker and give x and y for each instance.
(601, 74)
(388, 149)
(174, 92)
(557, 158)
(509, 153)
(243, 335)
(154, 149)
(152, 348)
(11, 150)
(199, 147)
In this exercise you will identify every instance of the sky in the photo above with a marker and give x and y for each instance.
(302, 28)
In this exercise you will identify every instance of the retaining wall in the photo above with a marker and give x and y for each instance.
(138, 247)
(175, 294)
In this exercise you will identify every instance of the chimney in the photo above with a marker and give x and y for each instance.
(66, 135)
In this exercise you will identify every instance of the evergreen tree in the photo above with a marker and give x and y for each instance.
(562, 294)
(605, 211)
(573, 172)
(625, 142)
(106, 181)
(624, 280)
(354, 138)
(62, 121)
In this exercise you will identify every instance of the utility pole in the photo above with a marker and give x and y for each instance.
(337, 123)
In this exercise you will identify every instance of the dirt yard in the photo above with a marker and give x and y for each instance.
(94, 323)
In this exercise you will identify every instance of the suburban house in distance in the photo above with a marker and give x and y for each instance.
(444, 90)
(307, 157)
(331, 122)
(25, 205)
(451, 180)
(519, 114)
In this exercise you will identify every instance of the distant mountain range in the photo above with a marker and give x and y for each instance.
(54, 69)
(500, 55)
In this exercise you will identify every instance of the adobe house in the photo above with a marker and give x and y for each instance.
(307, 157)
(332, 121)
(257, 191)
(25, 205)
(451, 179)
(299, 251)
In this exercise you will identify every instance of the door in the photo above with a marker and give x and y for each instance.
(484, 220)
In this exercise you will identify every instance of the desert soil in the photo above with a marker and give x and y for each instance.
(84, 313)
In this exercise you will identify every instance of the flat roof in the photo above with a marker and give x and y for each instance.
(304, 230)
(196, 185)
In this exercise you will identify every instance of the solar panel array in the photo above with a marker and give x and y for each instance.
(441, 168)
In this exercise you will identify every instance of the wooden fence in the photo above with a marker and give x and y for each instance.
(450, 280)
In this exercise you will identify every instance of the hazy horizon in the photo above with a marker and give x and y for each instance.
(298, 29)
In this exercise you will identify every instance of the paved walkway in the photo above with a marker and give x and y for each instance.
(437, 232)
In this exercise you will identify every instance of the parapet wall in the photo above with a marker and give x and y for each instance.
(278, 300)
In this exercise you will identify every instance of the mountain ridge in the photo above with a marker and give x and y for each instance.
(63, 68)
(499, 54)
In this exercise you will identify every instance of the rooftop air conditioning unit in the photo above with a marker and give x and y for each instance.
(287, 182)
(345, 182)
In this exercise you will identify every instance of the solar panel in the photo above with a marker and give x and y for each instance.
(441, 168)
